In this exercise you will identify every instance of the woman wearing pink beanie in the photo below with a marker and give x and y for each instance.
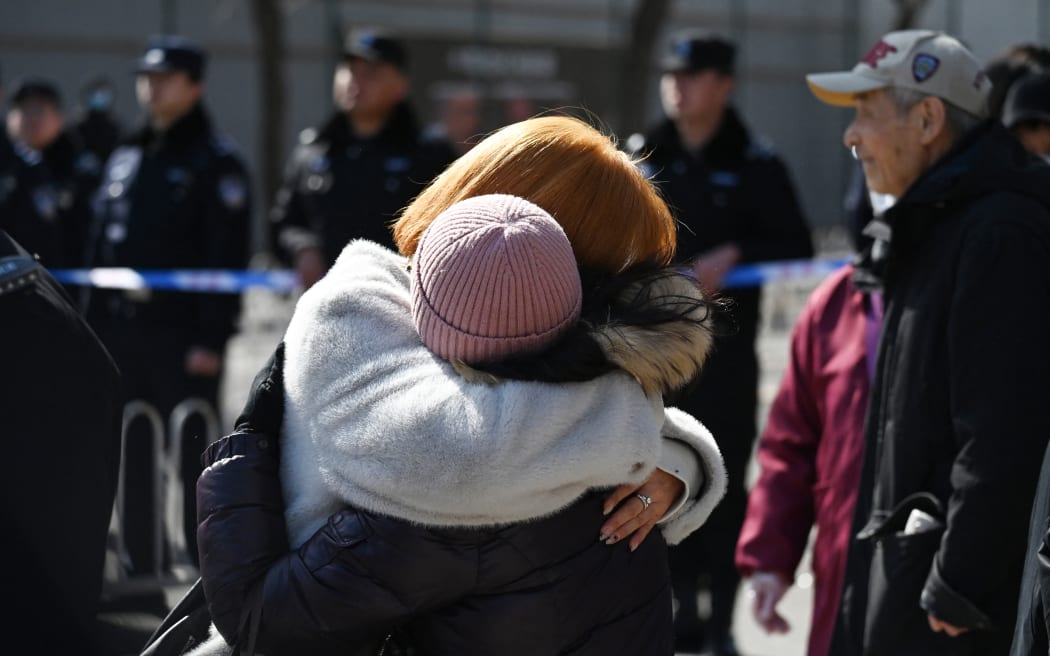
(456, 494)
(494, 277)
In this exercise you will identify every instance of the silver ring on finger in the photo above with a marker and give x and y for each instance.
(645, 501)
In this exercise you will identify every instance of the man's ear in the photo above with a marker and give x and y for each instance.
(932, 119)
(196, 89)
(728, 83)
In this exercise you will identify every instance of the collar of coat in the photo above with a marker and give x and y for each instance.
(402, 128)
(663, 343)
(987, 160)
(728, 147)
(184, 134)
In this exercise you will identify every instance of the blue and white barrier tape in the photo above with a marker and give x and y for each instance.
(183, 280)
(234, 281)
(755, 275)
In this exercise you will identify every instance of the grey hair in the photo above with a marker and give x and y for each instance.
(957, 120)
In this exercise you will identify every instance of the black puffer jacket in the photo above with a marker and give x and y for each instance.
(958, 410)
(505, 591)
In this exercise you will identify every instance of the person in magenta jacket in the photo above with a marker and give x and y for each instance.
(810, 456)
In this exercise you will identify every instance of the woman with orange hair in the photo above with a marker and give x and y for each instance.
(459, 422)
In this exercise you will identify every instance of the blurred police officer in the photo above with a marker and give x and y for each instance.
(735, 204)
(1026, 113)
(349, 178)
(45, 200)
(174, 195)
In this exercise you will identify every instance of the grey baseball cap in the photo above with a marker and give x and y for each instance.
(926, 61)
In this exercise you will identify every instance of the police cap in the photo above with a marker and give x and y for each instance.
(37, 88)
(164, 54)
(693, 51)
(375, 46)
(1028, 100)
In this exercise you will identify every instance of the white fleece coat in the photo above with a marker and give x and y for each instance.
(374, 419)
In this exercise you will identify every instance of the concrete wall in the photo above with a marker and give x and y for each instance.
(572, 47)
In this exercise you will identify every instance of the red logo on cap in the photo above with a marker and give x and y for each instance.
(880, 50)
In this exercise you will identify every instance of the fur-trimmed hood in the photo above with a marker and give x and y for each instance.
(375, 420)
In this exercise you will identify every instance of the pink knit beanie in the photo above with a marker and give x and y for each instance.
(493, 276)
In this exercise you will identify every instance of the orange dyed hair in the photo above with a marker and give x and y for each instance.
(612, 214)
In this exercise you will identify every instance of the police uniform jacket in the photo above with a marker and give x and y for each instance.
(178, 199)
(957, 423)
(735, 189)
(45, 203)
(340, 187)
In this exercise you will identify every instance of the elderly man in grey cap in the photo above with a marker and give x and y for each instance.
(958, 419)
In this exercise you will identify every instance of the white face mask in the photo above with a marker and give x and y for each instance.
(881, 202)
(100, 99)
(1046, 158)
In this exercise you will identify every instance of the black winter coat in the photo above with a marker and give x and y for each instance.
(60, 408)
(959, 410)
(538, 588)
(340, 187)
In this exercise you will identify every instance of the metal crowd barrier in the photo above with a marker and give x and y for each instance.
(167, 517)
(175, 508)
(132, 410)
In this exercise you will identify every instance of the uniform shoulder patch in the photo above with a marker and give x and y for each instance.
(223, 145)
(760, 148)
(233, 191)
(432, 138)
(28, 156)
(87, 163)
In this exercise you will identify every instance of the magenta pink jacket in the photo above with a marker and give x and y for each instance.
(811, 449)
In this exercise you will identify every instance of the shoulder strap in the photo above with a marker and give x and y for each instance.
(189, 618)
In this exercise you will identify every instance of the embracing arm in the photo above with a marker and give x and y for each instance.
(679, 495)
(686, 430)
(320, 598)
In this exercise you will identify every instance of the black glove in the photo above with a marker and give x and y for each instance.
(259, 423)
(264, 411)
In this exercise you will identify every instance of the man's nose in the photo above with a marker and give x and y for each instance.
(850, 139)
